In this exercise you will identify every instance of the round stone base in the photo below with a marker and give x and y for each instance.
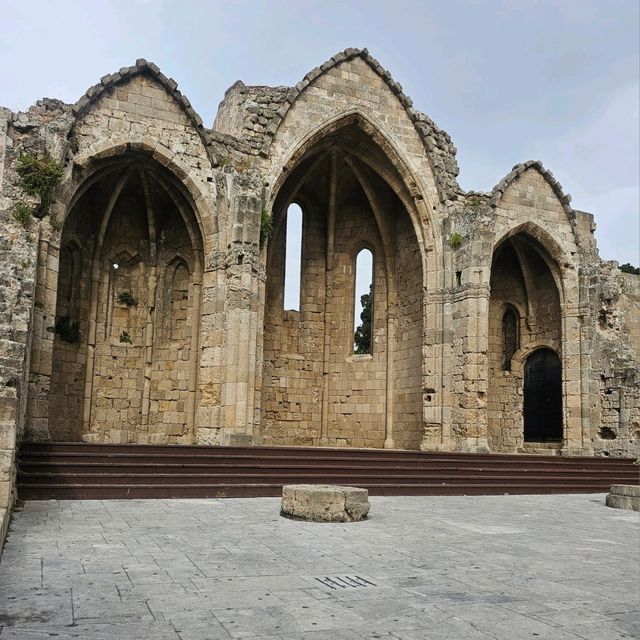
(324, 503)
(624, 496)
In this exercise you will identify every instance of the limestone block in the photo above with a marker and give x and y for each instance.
(7, 436)
(624, 496)
(5, 493)
(324, 503)
(6, 460)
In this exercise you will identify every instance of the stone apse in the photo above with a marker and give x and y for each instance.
(148, 306)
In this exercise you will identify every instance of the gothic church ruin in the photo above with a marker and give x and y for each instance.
(147, 305)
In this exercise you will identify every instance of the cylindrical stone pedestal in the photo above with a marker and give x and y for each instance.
(324, 503)
(624, 496)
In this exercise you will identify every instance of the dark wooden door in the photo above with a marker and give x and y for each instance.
(543, 397)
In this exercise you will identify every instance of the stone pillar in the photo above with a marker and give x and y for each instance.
(572, 361)
(241, 322)
(436, 414)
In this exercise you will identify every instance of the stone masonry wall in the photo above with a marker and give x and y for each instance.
(214, 358)
(615, 401)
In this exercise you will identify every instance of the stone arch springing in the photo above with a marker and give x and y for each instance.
(142, 232)
(349, 190)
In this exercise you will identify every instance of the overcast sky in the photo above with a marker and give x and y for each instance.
(510, 81)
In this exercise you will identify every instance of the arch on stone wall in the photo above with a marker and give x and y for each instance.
(110, 82)
(434, 140)
(536, 165)
(353, 196)
(388, 163)
(525, 276)
(501, 187)
(559, 262)
(108, 156)
(137, 222)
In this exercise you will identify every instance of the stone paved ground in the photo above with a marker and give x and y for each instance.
(507, 567)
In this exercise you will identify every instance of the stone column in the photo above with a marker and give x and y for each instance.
(241, 321)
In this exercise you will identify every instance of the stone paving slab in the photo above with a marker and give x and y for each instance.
(562, 567)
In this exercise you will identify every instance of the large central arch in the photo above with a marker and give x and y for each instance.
(315, 389)
(124, 364)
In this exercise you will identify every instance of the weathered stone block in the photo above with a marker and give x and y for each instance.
(325, 503)
(624, 496)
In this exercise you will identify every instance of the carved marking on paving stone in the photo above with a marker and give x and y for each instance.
(345, 582)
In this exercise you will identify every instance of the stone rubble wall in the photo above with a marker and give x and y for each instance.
(33, 131)
(615, 367)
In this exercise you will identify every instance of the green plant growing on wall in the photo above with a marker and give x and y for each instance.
(475, 201)
(22, 213)
(126, 297)
(266, 226)
(455, 240)
(125, 337)
(68, 330)
(39, 177)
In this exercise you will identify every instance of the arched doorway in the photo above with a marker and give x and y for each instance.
(318, 387)
(125, 350)
(543, 397)
(524, 318)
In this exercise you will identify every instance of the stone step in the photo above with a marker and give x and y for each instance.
(71, 470)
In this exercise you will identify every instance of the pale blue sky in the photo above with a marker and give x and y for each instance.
(508, 80)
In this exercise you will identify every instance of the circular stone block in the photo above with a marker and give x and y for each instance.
(624, 496)
(324, 503)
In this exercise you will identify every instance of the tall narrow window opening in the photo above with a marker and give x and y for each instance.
(363, 307)
(293, 258)
(510, 337)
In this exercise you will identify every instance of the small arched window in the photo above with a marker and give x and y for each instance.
(510, 336)
(293, 258)
(363, 303)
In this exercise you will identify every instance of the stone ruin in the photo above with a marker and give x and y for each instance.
(148, 305)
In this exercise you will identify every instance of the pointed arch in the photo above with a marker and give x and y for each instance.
(560, 263)
(433, 139)
(501, 187)
(399, 176)
(111, 81)
(358, 193)
(138, 222)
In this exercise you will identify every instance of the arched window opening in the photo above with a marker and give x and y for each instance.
(293, 258)
(363, 307)
(175, 302)
(510, 336)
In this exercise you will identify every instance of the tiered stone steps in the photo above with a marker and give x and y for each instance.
(88, 471)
